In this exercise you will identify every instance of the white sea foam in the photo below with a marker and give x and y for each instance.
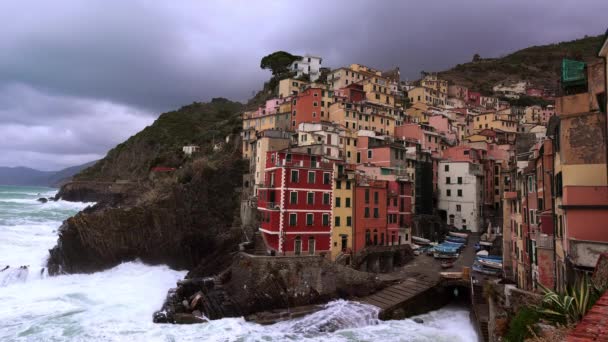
(117, 304)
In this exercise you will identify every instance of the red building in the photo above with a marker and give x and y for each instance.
(370, 208)
(535, 92)
(295, 203)
(474, 97)
(307, 107)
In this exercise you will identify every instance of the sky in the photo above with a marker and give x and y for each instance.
(78, 77)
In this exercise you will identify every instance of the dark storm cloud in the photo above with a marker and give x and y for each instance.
(78, 77)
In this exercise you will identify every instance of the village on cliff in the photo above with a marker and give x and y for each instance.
(354, 159)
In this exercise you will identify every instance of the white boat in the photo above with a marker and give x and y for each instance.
(421, 241)
(490, 263)
(483, 253)
(486, 243)
(460, 235)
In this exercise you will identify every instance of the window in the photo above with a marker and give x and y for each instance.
(326, 179)
(348, 221)
(459, 192)
(446, 168)
(366, 213)
(459, 180)
(376, 213)
(369, 154)
(311, 177)
(338, 202)
(347, 185)
(458, 207)
(376, 197)
(310, 198)
(347, 205)
(448, 192)
(309, 219)
(337, 221)
(338, 184)
(366, 196)
(294, 176)
(447, 180)
(293, 219)
(326, 198)
(293, 197)
(326, 219)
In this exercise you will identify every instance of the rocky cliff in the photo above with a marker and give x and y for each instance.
(180, 218)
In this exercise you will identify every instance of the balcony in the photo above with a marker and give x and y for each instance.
(268, 205)
(305, 164)
(543, 240)
(510, 195)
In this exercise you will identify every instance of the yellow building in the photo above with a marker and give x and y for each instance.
(363, 117)
(342, 77)
(431, 81)
(342, 211)
(377, 90)
(428, 96)
(419, 112)
(491, 120)
(290, 86)
(532, 114)
(268, 141)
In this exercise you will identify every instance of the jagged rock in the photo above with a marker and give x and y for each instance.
(183, 318)
(185, 304)
(180, 225)
(161, 317)
(42, 200)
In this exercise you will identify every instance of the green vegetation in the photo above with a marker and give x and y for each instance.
(569, 307)
(160, 144)
(278, 62)
(521, 325)
(525, 101)
(540, 65)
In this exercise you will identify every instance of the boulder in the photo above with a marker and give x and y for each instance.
(42, 200)
(418, 320)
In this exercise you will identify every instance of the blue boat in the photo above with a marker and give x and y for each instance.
(455, 239)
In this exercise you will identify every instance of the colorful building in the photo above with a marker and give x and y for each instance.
(295, 203)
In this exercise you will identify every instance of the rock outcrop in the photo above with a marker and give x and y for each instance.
(179, 223)
(255, 284)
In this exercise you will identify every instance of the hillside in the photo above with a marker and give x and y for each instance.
(540, 65)
(179, 218)
(160, 144)
(23, 176)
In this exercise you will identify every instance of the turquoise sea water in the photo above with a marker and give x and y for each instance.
(117, 304)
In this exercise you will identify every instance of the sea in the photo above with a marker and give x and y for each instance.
(117, 304)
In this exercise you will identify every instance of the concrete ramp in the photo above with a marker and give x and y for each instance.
(396, 295)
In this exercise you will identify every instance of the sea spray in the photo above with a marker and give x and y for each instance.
(117, 304)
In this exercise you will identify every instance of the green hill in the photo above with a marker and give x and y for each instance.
(160, 144)
(540, 65)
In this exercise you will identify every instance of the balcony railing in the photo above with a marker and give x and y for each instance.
(268, 205)
(304, 163)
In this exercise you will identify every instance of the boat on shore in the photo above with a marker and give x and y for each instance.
(477, 267)
(460, 235)
(421, 241)
(490, 261)
(455, 239)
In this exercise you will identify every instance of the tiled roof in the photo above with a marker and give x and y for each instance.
(594, 326)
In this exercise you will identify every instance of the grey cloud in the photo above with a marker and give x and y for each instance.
(78, 77)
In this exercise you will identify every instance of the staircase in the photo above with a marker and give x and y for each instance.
(259, 244)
